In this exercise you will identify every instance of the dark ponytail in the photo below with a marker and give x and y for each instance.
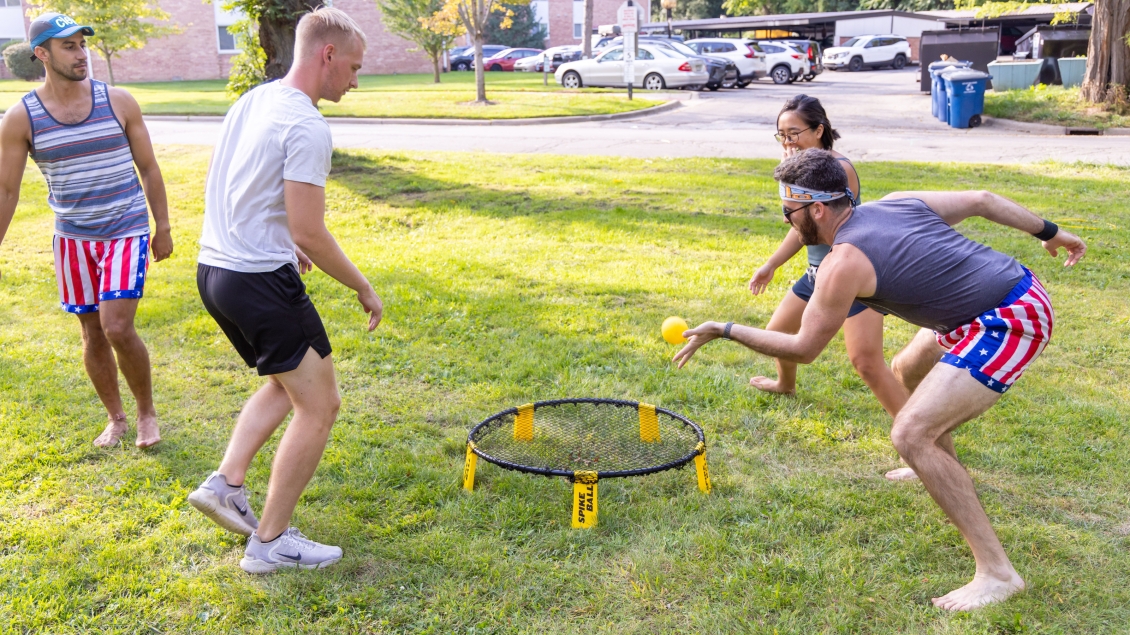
(812, 112)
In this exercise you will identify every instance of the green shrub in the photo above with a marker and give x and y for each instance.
(17, 57)
(247, 67)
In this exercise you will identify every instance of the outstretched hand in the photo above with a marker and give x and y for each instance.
(1073, 244)
(761, 279)
(696, 337)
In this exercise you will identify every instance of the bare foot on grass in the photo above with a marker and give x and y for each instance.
(984, 589)
(902, 474)
(764, 384)
(112, 435)
(147, 433)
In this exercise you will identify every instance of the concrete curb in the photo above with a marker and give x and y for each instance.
(654, 110)
(1048, 129)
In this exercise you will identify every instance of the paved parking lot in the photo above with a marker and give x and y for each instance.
(882, 116)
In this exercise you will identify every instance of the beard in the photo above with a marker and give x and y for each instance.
(69, 72)
(807, 230)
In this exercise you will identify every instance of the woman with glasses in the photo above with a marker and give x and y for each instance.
(801, 125)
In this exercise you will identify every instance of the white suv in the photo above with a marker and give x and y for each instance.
(785, 63)
(868, 51)
(745, 54)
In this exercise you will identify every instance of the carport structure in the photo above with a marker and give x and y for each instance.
(829, 28)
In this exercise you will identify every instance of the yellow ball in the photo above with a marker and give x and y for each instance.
(673, 328)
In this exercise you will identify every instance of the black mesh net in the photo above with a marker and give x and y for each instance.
(609, 437)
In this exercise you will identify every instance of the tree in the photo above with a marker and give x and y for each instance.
(247, 66)
(586, 39)
(119, 25)
(1108, 53)
(473, 15)
(410, 20)
(524, 32)
(275, 21)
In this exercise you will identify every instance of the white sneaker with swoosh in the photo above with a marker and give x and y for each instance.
(289, 550)
(224, 505)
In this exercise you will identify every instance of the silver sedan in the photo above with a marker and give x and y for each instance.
(655, 68)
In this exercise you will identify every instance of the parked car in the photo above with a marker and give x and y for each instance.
(504, 60)
(868, 51)
(465, 61)
(746, 55)
(785, 63)
(610, 40)
(656, 68)
(557, 56)
(813, 52)
(722, 72)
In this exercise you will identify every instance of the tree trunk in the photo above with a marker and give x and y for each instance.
(276, 33)
(586, 35)
(109, 67)
(435, 67)
(1108, 54)
(480, 75)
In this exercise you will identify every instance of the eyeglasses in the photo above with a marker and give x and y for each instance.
(791, 137)
(788, 211)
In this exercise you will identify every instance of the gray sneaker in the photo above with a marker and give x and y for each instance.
(291, 549)
(225, 505)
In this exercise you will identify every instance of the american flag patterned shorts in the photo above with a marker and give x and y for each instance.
(90, 271)
(999, 345)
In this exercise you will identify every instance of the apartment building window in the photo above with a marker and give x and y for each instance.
(225, 38)
(578, 19)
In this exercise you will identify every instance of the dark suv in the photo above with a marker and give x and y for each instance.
(465, 61)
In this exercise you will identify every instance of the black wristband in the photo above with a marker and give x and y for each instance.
(726, 331)
(1049, 231)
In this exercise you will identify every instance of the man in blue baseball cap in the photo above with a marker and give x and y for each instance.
(50, 26)
(87, 137)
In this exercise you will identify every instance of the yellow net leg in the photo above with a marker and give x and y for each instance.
(524, 423)
(700, 468)
(649, 423)
(584, 500)
(469, 468)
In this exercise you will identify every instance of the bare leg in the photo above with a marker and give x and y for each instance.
(910, 366)
(947, 398)
(863, 338)
(133, 359)
(786, 319)
(312, 388)
(102, 368)
(260, 417)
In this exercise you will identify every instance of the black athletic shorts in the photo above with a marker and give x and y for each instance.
(804, 288)
(268, 317)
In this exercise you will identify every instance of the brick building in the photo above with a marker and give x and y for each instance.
(565, 19)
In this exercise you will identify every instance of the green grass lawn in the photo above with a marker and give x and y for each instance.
(508, 279)
(518, 96)
(1052, 105)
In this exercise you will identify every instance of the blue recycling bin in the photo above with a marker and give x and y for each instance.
(938, 106)
(965, 90)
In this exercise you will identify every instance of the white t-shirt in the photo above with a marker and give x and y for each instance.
(273, 133)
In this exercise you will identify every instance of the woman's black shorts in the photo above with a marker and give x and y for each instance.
(268, 317)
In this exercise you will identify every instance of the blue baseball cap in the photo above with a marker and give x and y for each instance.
(54, 25)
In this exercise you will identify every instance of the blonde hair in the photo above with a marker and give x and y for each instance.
(325, 25)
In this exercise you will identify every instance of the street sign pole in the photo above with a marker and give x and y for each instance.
(628, 17)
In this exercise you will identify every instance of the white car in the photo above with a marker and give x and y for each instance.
(868, 51)
(745, 54)
(655, 68)
(534, 62)
(786, 64)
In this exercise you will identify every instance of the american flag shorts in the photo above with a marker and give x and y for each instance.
(999, 345)
(90, 271)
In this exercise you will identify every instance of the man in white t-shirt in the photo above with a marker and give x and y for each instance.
(264, 224)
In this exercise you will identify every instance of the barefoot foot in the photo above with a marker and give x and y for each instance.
(147, 433)
(982, 590)
(765, 384)
(113, 432)
(901, 474)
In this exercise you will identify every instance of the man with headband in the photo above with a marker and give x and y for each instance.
(985, 319)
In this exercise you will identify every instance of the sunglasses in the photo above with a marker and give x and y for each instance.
(788, 211)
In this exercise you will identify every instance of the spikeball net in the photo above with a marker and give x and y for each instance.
(585, 440)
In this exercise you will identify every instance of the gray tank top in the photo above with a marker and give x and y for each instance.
(926, 272)
(816, 253)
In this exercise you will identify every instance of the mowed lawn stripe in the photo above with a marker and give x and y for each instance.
(509, 279)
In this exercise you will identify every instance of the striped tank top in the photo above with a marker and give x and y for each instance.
(91, 183)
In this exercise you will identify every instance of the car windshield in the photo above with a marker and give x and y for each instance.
(680, 47)
(666, 52)
(852, 42)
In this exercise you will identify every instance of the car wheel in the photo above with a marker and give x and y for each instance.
(496, 67)
(900, 62)
(809, 78)
(855, 65)
(781, 75)
(742, 84)
(572, 79)
(654, 81)
(462, 66)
